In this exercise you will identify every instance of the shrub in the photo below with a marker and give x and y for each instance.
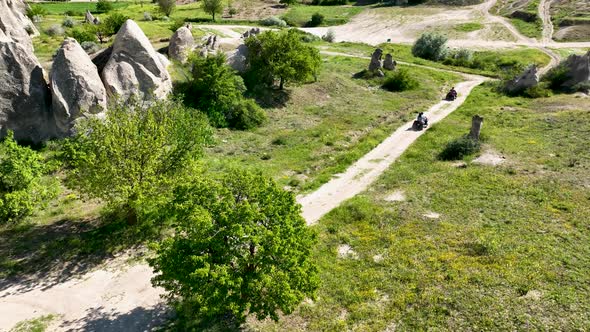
(114, 22)
(537, 91)
(430, 46)
(240, 246)
(217, 91)
(400, 80)
(82, 34)
(232, 11)
(273, 21)
(104, 6)
(245, 115)
(147, 16)
(176, 24)
(317, 19)
(68, 22)
(582, 87)
(459, 148)
(330, 36)
(90, 47)
(113, 159)
(55, 30)
(557, 76)
(36, 10)
(462, 57)
(73, 13)
(166, 6)
(21, 190)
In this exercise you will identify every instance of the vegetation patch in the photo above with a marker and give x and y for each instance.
(302, 15)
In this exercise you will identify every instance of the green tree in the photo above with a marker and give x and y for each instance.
(21, 190)
(213, 7)
(430, 46)
(167, 6)
(216, 90)
(104, 6)
(281, 56)
(130, 158)
(240, 246)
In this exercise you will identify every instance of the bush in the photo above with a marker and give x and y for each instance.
(82, 34)
(232, 11)
(176, 24)
(90, 47)
(459, 148)
(317, 19)
(36, 10)
(113, 158)
(240, 246)
(166, 6)
(557, 76)
(430, 46)
(462, 57)
(217, 91)
(330, 36)
(73, 13)
(68, 22)
(104, 6)
(114, 22)
(245, 115)
(273, 21)
(21, 190)
(147, 16)
(400, 80)
(537, 91)
(55, 30)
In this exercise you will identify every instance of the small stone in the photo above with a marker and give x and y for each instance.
(431, 215)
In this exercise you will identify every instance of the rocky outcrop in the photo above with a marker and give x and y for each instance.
(578, 67)
(251, 32)
(376, 62)
(181, 43)
(14, 23)
(76, 88)
(24, 94)
(528, 79)
(89, 18)
(134, 67)
(237, 58)
(389, 63)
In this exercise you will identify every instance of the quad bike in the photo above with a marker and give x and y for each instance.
(451, 96)
(419, 125)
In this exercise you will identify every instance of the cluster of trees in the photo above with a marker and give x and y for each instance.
(99, 32)
(239, 245)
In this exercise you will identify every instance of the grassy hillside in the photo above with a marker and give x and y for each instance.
(510, 250)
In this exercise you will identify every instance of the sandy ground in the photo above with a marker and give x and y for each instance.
(121, 298)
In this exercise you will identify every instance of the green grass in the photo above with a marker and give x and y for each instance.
(468, 27)
(333, 15)
(488, 63)
(529, 29)
(34, 325)
(511, 248)
(327, 125)
(59, 8)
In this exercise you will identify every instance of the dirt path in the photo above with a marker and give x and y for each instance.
(366, 170)
(545, 15)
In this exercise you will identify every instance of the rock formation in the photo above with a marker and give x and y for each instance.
(389, 63)
(376, 62)
(24, 94)
(251, 32)
(89, 18)
(134, 67)
(578, 67)
(181, 43)
(76, 88)
(237, 58)
(14, 23)
(527, 79)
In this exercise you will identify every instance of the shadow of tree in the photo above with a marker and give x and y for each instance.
(139, 319)
(41, 256)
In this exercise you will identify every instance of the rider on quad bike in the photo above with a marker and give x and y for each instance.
(452, 95)
(421, 122)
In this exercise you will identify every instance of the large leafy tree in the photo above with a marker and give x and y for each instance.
(281, 56)
(240, 246)
(21, 188)
(215, 89)
(135, 153)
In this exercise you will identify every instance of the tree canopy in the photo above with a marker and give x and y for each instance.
(281, 56)
(213, 7)
(240, 246)
(135, 153)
